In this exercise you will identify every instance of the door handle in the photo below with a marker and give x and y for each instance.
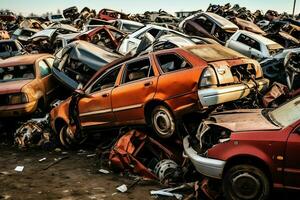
(148, 83)
(105, 95)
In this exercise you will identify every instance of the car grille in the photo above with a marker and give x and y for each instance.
(243, 72)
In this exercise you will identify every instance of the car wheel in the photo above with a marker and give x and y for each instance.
(66, 137)
(163, 122)
(246, 182)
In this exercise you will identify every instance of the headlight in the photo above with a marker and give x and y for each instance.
(17, 98)
(208, 77)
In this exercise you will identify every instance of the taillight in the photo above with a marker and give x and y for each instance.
(208, 77)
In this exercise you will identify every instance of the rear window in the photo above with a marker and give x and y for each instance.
(14, 73)
(8, 46)
(211, 53)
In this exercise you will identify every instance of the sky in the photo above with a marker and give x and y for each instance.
(140, 6)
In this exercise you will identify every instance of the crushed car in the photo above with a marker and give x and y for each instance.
(9, 48)
(249, 151)
(23, 34)
(105, 36)
(27, 85)
(126, 26)
(257, 46)
(132, 41)
(108, 14)
(76, 63)
(207, 24)
(153, 89)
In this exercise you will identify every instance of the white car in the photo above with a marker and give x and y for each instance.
(133, 40)
(257, 46)
(126, 26)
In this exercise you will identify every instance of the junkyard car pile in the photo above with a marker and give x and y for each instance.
(215, 94)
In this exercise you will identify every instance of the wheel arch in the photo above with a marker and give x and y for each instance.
(150, 105)
(58, 124)
(248, 159)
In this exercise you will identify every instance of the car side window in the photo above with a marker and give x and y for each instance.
(107, 81)
(44, 68)
(152, 31)
(249, 42)
(172, 62)
(138, 70)
(205, 23)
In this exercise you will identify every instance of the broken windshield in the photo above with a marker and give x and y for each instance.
(13, 73)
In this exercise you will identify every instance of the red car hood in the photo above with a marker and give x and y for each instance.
(243, 120)
(12, 86)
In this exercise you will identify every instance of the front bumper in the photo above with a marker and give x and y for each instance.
(207, 166)
(18, 110)
(223, 94)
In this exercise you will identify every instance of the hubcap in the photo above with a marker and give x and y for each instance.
(246, 186)
(163, 123)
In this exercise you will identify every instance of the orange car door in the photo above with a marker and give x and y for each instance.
(137, 86)
(95, 109)
(46, 78)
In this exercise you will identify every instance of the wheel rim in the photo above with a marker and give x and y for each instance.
(163, 123)
(66, 137)
(246, 186)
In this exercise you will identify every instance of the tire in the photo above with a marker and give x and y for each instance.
(163, 122)
(65, 138)
(245, 182)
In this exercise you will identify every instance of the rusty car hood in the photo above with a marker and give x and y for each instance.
(243, 120)
(12, 86)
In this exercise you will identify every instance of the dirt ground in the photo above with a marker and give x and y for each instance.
(76, 177)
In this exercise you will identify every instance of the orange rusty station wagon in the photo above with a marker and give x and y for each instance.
(25, 84)
(157, 89)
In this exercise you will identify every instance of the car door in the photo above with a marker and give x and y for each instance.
(138, 85)
(178, 79)
(292, 160)
(46, 78)
(95, 109)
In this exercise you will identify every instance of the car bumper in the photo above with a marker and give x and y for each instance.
(18, 110)
(209, 167)
(223, 94)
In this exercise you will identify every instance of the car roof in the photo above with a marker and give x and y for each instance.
(258, 37)
(213, 52)
(221, 21)
(22, 59)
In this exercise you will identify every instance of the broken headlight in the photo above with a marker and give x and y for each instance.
(17, 98)
(210, 135)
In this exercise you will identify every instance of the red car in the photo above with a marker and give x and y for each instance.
(108, 14)
(251, 151)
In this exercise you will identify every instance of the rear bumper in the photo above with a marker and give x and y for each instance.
(209, 167)
(219, 95)
(18, 110)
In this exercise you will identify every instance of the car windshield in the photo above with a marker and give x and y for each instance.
(14, 73)
(286, 114)
(130, 27)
